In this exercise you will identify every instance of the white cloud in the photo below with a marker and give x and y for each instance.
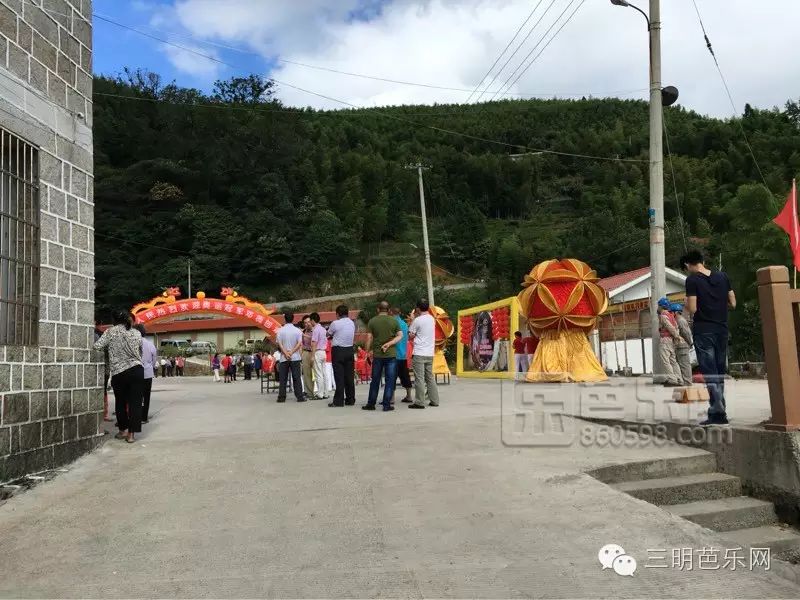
(264, 25)
(452, 43)
(189, 61)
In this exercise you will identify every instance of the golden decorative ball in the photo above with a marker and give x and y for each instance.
(201, 295)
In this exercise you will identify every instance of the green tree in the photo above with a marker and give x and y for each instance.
(253, 193)
(751, 242)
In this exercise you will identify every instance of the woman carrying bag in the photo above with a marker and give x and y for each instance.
(124, 345)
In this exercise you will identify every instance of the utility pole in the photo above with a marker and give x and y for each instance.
(658, 267)
(189, 266)
(426, 246)
(657, 258)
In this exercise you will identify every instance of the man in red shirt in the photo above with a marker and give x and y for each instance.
(531, 343)
(521, 359)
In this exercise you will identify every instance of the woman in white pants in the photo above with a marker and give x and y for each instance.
(215, 366)
(319, 346)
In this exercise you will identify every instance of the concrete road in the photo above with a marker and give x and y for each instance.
(228, 494)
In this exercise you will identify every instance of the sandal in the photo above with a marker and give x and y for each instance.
(121, 436)
(130, 440)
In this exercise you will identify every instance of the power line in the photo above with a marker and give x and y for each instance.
(550, 41)
(384, 114)
(674, 185)
(119, 239)
(730, 95)
(519, 47)
(535, 46)
(330, 69)
(348, 73)
(506, 85)
(497, 60)
(615, 250)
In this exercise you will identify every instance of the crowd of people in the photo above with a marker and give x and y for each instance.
(170, 367)
(230, 365)
(304, 351)
(308, 355)
(309, 359)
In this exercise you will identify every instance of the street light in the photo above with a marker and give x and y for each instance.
(656, 211)
(627, 4)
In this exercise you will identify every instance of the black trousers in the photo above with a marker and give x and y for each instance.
(147, 387)
(403, 374)
(283, 375)
(248, 370)
(128, 398)
(343, 363)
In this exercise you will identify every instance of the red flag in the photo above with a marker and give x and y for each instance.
(787, 220)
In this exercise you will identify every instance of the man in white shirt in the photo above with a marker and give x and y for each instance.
(342, 333)
(290, 340)
(423, 333)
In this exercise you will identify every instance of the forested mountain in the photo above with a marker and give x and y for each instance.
(260, 195)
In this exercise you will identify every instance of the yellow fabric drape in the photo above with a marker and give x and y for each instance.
(565, 356)
(440, 363)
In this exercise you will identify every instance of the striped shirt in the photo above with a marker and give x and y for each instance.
(124, 348)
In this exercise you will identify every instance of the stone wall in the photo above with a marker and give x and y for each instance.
(51, 394)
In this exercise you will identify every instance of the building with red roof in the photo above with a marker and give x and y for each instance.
(623, 339)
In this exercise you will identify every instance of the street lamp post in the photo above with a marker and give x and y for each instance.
(658, 274)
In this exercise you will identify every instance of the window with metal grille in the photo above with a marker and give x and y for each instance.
(19, 241)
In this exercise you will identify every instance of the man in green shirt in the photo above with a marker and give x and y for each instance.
(383, 335)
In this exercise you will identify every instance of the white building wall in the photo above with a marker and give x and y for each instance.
(639, 358)
(612, 355)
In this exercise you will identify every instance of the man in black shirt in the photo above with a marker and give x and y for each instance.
(708, 298)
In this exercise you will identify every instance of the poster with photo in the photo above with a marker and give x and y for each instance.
(484, 348)
(482, 342)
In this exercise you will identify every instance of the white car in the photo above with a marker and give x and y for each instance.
(203, 348)
(179, 344)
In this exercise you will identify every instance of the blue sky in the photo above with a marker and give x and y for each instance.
(595, 49)
(116, 47)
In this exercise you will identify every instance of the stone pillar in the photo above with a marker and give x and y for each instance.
(779, 323)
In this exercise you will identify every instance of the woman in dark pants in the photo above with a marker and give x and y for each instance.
(124, 345)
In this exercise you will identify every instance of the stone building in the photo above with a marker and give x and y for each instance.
(49, 378)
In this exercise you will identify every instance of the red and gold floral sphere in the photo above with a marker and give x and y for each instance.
(562, 294)
(444, 326)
